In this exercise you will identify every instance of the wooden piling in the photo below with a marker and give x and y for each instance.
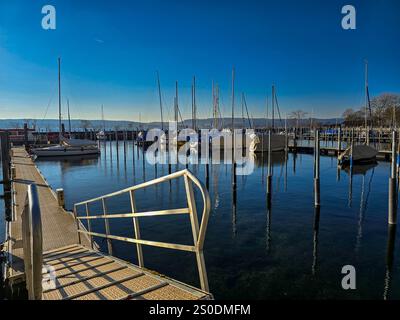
(5, 158)
(269, 177)
(392, 184)
(60, 197)
(26, 135)
(317, 198)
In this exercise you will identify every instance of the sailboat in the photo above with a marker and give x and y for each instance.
(101, 135)
(66, 147)
(260, 143)
(361, 153)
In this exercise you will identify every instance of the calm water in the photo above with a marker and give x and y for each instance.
(250, 251)
(2, 210)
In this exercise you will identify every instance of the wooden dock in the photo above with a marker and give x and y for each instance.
(384, 155)
(78, 269)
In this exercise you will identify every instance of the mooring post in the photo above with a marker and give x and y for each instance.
(398, 163)
(286, 140)
(110, 138)
(5, 159)
(233, 159)
(392, 184)
(317, 199)
(60, 197)
(339, 145)
(26, 135)
(13, 172)
(207, 175)
(269, 177)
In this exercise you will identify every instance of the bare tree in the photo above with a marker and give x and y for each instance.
(86, 124)
(297, 115)
(386, 108)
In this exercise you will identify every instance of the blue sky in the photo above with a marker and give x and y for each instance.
(111, 51)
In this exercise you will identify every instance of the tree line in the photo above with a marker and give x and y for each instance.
(385, 111)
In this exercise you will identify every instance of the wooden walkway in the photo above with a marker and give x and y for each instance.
(78, 272)
(59, 227)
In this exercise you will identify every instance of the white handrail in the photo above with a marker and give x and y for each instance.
(33, 243)
(197, 231)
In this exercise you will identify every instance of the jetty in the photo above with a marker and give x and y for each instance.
(51, 255)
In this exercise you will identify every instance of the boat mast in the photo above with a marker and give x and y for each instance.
(213, 105)
(194, 111)
(242, 109)
(176, 103)
(215, 92)
(102, 118)
(159, 95)
(233, 98)
(366, 95)
(266, 120)
(273, 107)
(59, 98)
(218, 115)
(69, 120)
(251, 122)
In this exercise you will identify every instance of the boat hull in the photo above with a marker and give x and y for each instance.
(61, 152)
(261, 144)
(360, 154)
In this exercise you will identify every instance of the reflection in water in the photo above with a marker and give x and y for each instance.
(317, 211)
(286, 170)
(363, 208)
(234, 203)
(389, 260)
(360, 170)
(215, 171)
(226, 242)
(71, 161)
(268, 228)
(277, 158)
(294, 162)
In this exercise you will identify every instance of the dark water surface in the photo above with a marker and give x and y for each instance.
(290, 251)
(2, 210)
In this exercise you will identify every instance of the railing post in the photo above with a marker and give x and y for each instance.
(137, 230)
(201, 265)
(107, 227)
(89, 226)
(32, 244)
(77, 225)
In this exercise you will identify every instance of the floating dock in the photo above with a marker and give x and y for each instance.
(78, 269)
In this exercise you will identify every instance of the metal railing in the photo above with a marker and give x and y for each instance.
(32, 243)
(198, 231)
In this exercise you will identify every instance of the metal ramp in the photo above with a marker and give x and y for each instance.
(78, 273)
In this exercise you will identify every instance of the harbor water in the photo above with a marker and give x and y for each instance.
(252, 250)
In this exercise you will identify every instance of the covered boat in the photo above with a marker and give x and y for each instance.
(359, 154)
(260, 143)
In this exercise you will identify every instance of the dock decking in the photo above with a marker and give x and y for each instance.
(59, 227)
(78, 272)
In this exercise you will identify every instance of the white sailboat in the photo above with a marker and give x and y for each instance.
(66, 147)
(101, 135)
(361, 153)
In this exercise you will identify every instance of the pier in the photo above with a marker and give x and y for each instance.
(47, 244)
